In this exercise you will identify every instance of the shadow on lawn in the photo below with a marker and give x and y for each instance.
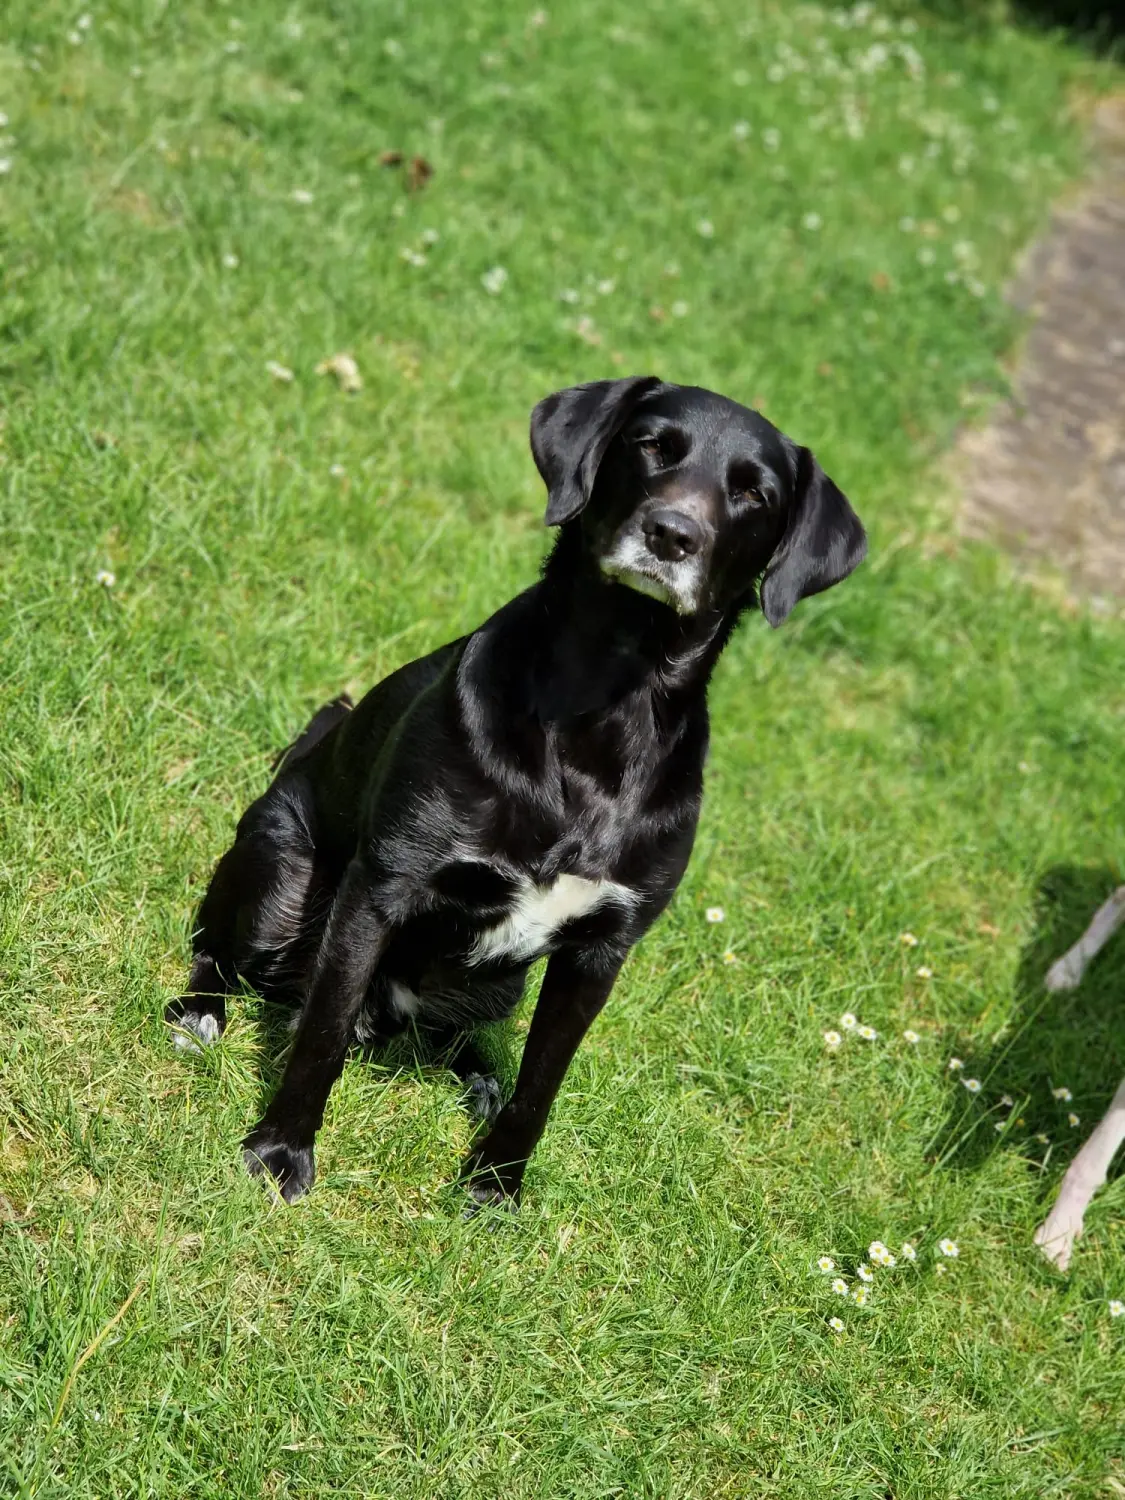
(404, 1061)
(1098, 23)
(1070, 1039)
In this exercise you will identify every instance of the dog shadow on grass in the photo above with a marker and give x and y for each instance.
(408, 1060)
(1060, 1057)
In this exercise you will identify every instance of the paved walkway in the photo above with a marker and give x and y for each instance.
(1046, 477)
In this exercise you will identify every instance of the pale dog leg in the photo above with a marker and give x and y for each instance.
(1066, 972)
(1062, 1226)
(1085, 1175)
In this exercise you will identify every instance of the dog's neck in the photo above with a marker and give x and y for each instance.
(597, 644)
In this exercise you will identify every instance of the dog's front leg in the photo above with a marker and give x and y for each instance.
(354, 940)
(1085, 1175)
(575, 987)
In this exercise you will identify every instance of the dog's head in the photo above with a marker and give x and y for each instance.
(691, 498)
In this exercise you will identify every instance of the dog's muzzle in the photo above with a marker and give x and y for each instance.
(663, 554)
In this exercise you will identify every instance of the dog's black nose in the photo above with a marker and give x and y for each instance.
(671, 535)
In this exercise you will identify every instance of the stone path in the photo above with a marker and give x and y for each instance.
(1046, 477)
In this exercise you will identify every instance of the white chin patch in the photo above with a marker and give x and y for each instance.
(645, 583)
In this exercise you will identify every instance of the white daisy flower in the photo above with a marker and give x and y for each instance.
(279, 371)
(999, 1126)
(837, 1324)
(606, 287)
(337, 471)
(105, 578)
(832, 1040)
(1116, 1308)
(412, 257)
(715, 914)
(812, 221)
(859, 1295)
(972, 1084)
(826, 1263)
(840, 1287)
(705, 228)
(939, 1270)
(679, 309)
(950, 1248)
(909, 1252)
(1063, 1093)
(430, 236)
(907, 939)
(868, 1033)
(5, 165)
(230, 261)
(955, 1064)
(924, 971)
(301, 195)
(911, 1036)
(740, 130)
(1072, 1119)
(730, 958)
(1042, 1139)
(877, 1252)
(494, 280)
(1007, 1101)
(865, 1273)
(848, 1022)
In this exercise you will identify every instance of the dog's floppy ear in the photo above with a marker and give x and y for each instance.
(824, 540)
(570, 432)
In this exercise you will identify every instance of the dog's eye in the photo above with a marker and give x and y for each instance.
(651, 448)
(751, 497)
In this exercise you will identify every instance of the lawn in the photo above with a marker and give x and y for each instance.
(811, 210)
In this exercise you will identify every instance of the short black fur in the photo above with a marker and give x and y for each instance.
(531, 789)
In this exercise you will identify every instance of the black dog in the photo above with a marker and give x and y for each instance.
(530, 789)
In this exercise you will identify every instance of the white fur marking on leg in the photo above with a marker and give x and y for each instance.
(204, 1028)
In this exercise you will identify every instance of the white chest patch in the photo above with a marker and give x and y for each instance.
(539, 912)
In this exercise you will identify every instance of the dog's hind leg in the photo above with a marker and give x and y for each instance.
(256, 916)
(460, 1054)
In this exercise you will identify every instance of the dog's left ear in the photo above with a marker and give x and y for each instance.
(570, 432)
(824, 540)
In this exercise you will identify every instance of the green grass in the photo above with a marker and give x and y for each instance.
(930, 748)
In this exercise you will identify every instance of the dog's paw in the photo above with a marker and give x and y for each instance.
(1057, 1234)
(292, 1167)
(491, 1184)
(483, 1101)
(194, 1024)
(484, 1194)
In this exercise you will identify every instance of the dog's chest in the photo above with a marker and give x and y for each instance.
(538, 913)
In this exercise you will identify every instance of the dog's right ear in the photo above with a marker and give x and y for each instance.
(570, 432)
